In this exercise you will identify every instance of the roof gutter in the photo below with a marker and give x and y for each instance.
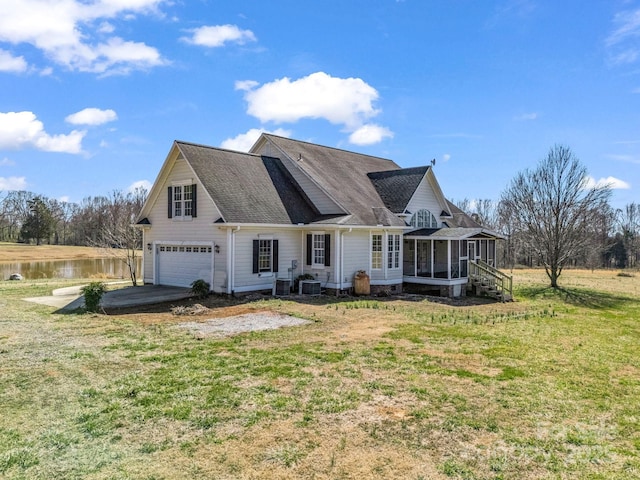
(304, 226)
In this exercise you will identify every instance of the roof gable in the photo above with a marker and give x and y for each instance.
(396, 187)
(343, 176)
(248, 188)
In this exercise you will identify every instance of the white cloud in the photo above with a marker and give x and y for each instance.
(612, 182)
(624, 157)
(246, 84)
(9, 63)
(218, 35)
(7, 162)
(64, 199)
(446, 157)
(75, 33)
(23, 129)
(347, 101)
(370, 134)
(106, 27)
(627, 26)
(342, 101)
(244, 141)
(13, 183)
(91, 116)
(622, 42)
(626, 56)
(146, 184)
(526, 116)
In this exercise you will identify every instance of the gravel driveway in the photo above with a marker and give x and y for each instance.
(248, 322)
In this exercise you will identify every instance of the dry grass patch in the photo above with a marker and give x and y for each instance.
(12, 252)
(544, 387)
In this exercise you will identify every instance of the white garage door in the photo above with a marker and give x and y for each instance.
(180, 265)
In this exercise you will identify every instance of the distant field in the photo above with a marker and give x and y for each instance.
(18, 252)
(546, 387)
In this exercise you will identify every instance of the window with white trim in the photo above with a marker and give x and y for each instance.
(182, 201)
(376, 252)
(393, 251)
(318, 249)
(424, 219)
(264, 255)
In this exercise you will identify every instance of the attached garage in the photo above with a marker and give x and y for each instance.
(180, 265)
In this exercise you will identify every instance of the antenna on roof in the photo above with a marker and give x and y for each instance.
(433, 162)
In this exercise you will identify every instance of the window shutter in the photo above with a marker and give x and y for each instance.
(327, 250)
(309, 248)
(194, 201)
(170, 202)
(256, 252)
(274, 256)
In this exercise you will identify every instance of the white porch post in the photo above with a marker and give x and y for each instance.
(432, 246)
(449, 259)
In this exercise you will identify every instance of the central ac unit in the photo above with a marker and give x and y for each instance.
(309, 287)
(281, 287)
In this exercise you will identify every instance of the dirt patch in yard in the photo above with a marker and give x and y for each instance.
(248, 322)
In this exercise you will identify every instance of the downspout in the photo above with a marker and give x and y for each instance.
(303, 260)
(232, 262)
(385, 255)
(341, 283)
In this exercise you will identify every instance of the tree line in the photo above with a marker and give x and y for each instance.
(553, 218)
(27, 217)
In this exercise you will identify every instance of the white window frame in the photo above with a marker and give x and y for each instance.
(423, 218)
(318, 253)
(377, 256)
(393, 251)
(180, 205)
(266, 256)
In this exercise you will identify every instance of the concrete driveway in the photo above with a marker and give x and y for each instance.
(70, 298)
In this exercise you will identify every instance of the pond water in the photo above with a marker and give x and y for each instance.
(84, 268)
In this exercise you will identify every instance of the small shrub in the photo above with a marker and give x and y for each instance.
(304, 276)
(200, 288)
(93, 295)
(625, 274)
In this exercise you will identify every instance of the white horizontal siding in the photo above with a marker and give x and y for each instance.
(288, 250)
(425, 198)
(323, 274)
(198, 229)
(356, 254)
(384, 275)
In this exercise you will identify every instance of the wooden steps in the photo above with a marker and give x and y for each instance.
(485, 280)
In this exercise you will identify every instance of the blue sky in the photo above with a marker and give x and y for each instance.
(93, 92)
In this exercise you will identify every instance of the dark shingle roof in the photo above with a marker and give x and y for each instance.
(396, 187)
(460, 219)
(343, 175)
(453, 233)
(248, 188)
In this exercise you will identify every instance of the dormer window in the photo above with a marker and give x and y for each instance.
(424, 219)
(182, 201)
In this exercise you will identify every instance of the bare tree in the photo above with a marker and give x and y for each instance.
(629, 228)
(553, 207)
(116, 235)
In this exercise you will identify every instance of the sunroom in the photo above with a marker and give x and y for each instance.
(438, 258)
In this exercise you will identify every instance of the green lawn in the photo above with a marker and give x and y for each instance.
(544, 387)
